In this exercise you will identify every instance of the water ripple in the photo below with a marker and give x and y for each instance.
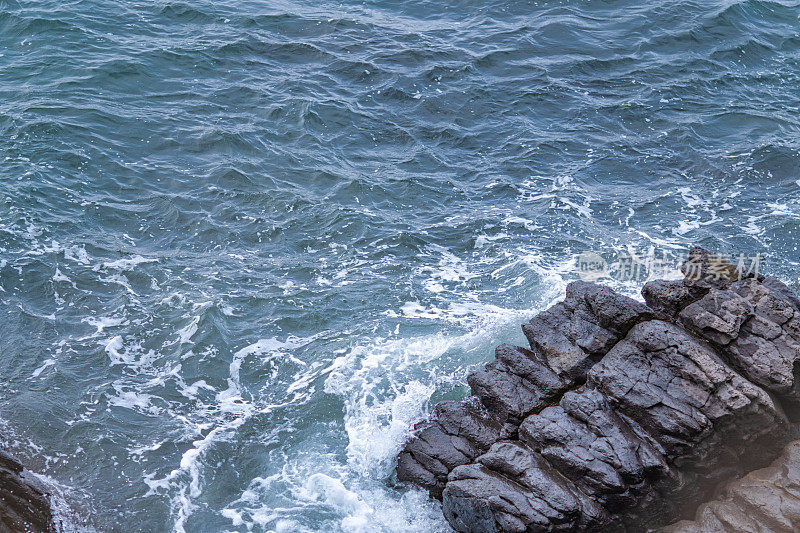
(244, 246)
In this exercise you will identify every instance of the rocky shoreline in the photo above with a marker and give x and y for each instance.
(621, 416)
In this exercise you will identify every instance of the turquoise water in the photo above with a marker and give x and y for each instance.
(245, 245)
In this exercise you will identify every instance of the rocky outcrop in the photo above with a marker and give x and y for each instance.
(24, 500)
(764, 501)
(620, 415)
(566, 340)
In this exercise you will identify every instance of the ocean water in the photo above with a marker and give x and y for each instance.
(245, 245)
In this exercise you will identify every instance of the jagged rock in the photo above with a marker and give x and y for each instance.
(565, 341)
(592, 446)
(510, 488)
(455, 435)
(621, 416)
(764, 501)
(670, 297)
(683, 394)
(717, 316)
(517, 383)
(754, 322)
(705, 270)
(24, 501)
(782, 291)
(574, 334)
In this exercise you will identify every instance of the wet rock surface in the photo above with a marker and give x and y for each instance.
(512, 488)
(24, 500)
(620, 415)
(456, 434)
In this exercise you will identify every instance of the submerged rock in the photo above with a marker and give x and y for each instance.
(621, 415)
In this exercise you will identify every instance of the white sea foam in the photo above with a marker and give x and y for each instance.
(483, 240)
(233, 407)
(672, 244)
(114, 350)
(383, 401)
(333, 492)
(60, 276)
(583, 210)
(125, 264)
(386, 385)
(67, 518)
(688, 196)
(133, 399)
(350, 503)
(43, 367)
(121, 280)
(779, 209)
(685, 227)
(447, 275)
(186, 333)
(77, 254)
(101, 323)
(528, 224)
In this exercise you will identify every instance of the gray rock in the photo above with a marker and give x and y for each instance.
(670, 297)
(516, 384)
(782, 291)
(590, 444)
(717, 316)
(685, 396)
(455, 435)
(622, 416)
(574, 334)
(764, 501)
(756, 327)
(707, 270)
(511, 488)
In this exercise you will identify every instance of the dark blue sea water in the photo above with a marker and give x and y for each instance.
(245, 245)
